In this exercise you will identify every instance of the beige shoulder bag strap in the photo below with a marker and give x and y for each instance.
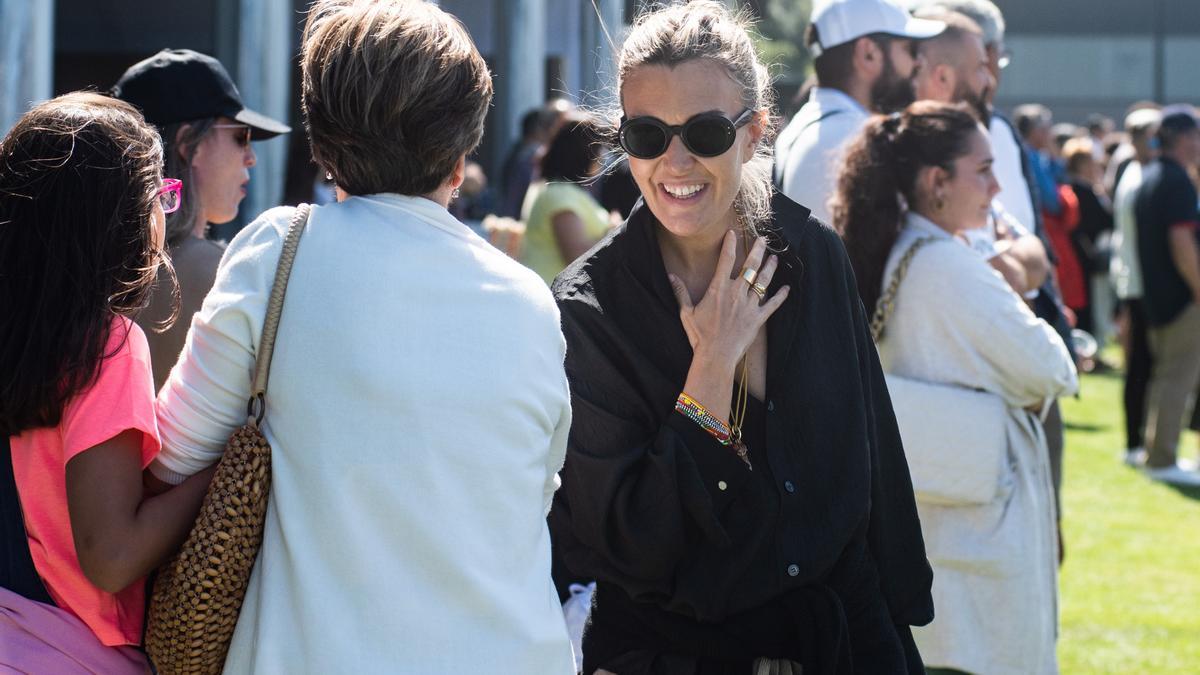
(257, 405)
(886, 304)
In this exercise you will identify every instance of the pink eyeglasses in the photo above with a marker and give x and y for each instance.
(170, 195)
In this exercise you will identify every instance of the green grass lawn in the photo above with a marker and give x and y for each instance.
(1130, 586)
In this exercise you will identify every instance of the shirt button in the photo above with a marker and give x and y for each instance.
(721, 485)
(789, 486)
(793, 570)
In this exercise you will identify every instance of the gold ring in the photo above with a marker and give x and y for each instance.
(749, 275)
(759, 290)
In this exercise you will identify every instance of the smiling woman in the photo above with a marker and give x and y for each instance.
(734, 479)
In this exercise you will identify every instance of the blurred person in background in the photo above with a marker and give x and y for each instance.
(1126, 272)
(1165, 207)
(207, 134)
(1098, 129)
(912, 183)
(538, 127)
(1009, 167)
(418, 411)
(1035, 124)
(865, 60)
(955, 70)
(1085, 176)
(1135, 143)
(562, 218)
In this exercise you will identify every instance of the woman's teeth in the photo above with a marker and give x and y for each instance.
(682, 191)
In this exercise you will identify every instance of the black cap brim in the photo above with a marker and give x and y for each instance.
(261, 126)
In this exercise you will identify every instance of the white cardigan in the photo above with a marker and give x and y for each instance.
(418, 413)
(957, 322)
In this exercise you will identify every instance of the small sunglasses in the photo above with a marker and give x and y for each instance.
(705, 135)
(241, 136)
(170, 195)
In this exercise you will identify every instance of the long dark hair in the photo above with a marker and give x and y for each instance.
(573, 152)
(78, 181)
(878, 180)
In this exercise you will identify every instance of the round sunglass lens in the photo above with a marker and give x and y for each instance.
(644, 140)
(709, 137)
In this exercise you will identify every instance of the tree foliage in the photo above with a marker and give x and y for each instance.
(780, 36)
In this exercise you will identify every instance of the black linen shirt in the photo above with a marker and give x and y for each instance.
(684, 539)
(1165, 199)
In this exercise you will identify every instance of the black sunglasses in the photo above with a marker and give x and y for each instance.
(706, 135)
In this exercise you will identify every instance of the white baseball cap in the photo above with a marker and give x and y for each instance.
(1143, 118)
(840, 21)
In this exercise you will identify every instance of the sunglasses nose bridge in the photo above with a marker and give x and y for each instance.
(677, 152)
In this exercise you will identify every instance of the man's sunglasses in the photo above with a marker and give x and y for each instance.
(705, 135)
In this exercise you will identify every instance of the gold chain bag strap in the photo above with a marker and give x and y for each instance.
(886, 304)
(198, 593)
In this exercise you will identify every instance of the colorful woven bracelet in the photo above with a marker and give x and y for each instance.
(691, 409)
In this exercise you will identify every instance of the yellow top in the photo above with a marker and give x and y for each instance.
(540, 251)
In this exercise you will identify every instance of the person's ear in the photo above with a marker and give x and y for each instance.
(931, 181)
(868, 57)
(459, 173)
(940, 180)
(945, 79)
(180, 149)
(754, 133)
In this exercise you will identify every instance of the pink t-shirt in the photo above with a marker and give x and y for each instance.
(121, 399)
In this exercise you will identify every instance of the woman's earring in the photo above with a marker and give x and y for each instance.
(455, 193)
(939, 203)
(328, 175)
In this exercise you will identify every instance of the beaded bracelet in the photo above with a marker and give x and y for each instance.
(691, 409)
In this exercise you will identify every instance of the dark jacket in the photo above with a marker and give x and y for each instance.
(687, 543)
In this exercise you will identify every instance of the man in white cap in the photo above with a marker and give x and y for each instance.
(865, 59)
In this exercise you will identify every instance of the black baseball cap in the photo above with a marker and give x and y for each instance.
(180, 85)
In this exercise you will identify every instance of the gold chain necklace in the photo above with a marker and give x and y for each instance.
(737, 416)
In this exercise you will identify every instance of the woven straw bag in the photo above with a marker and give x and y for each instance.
(198, 594)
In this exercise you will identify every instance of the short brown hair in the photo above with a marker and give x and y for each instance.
(393, 91)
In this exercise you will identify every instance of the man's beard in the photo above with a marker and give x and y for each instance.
(891, 93)
(978, 102)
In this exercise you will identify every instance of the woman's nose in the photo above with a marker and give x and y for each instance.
(677, 155)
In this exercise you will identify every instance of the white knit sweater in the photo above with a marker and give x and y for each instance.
(418, 414)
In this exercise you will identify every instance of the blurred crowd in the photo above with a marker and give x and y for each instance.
(896, 282)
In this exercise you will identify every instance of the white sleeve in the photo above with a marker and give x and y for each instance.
(975, 307)
(204, 400)
(558, 441)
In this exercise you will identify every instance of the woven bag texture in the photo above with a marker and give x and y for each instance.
(198, 593)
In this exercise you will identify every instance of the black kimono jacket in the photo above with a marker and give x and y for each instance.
(815, 554)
